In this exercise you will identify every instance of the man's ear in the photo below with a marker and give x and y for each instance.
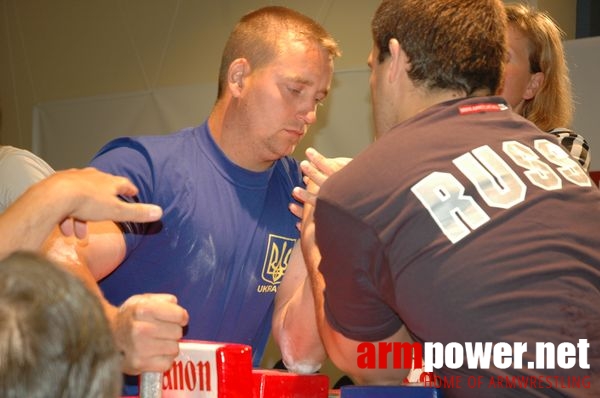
(238, 70)
(398, 60)
(535, 84)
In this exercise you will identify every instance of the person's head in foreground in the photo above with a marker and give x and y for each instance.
(54, 338)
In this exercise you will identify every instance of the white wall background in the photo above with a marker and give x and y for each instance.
(68, 133)
(53, 52)
(583, 56)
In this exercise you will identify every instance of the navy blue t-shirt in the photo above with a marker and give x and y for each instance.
(223, 242)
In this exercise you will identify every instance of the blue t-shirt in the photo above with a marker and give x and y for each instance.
(223, 242)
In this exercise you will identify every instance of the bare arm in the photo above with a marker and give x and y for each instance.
(147, 327)
(294, 321)
(85, 194)
(342, 351)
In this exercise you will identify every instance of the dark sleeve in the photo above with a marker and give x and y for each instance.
(353, 263)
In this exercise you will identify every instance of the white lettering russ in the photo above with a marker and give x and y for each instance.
(498, 184)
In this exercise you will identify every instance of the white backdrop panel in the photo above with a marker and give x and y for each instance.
(68, 133)
(583, 56)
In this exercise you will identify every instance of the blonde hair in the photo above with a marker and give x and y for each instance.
(552, 106)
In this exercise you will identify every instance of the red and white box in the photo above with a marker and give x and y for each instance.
(207, 370)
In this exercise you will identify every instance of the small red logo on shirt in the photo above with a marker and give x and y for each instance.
(480, 108)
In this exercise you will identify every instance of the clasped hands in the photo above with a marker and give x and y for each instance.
(316, 169)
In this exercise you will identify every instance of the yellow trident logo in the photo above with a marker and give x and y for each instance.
(278, 254)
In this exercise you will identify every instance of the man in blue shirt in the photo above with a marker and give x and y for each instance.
(226, 235)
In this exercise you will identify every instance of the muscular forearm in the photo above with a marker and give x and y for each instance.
(343, 351)
(146, 327)
(64, 251)
(334, 343)
(294, 322)
(295, 331)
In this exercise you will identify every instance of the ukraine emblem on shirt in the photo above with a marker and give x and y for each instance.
(278, 253)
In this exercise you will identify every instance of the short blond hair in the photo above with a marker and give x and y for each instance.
(258, 35)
